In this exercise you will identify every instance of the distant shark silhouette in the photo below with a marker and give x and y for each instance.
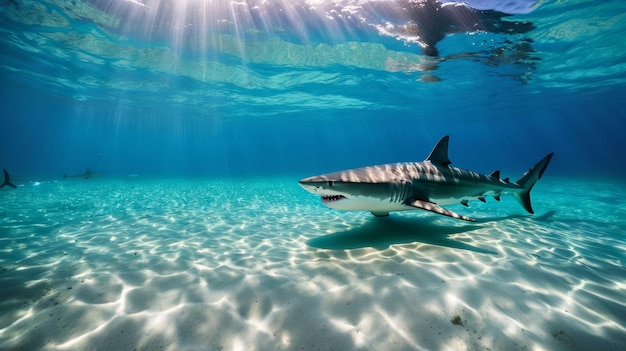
(88, 174)
(419, 185)
(7, 180)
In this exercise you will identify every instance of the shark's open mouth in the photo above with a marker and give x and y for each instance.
(332, 198)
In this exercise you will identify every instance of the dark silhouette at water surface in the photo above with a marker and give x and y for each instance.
(397, 24)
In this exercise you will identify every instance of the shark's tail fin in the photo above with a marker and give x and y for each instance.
(7, 181)
(528, 180)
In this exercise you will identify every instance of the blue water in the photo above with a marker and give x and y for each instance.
(197, 119)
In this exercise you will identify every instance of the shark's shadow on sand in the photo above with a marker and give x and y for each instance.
(380, 233)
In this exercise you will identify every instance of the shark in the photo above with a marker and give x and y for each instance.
(426, 185)
(85, 175)
(7, 180)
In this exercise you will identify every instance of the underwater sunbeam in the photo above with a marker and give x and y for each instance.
(421, 23)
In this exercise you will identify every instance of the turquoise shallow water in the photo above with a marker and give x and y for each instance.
(197, 118)
(258, 263)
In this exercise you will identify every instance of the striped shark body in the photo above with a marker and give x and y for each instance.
(426, 185)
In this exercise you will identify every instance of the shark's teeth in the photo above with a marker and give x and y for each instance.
(332, 198)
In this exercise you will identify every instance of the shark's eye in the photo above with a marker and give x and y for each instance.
(330, 183)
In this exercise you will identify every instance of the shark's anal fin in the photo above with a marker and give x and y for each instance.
(380, 214)
(433, 207)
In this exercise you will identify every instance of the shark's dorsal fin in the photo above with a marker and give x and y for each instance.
(439, 155)
(495, 174)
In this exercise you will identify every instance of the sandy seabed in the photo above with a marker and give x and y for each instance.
(259, 264)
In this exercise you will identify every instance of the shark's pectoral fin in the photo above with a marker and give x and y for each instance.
(380, 214)
(433, 207)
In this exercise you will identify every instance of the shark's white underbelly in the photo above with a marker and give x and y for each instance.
(362, 203)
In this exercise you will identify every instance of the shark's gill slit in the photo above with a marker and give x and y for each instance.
(394, 192)
(405, 190)
(399, 191)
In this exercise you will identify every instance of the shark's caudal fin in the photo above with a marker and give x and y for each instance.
(7, 181)
(528, 180)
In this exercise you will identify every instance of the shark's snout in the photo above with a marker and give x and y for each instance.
(308, 185)
(314, 185)
(315, 182)
(322, 186)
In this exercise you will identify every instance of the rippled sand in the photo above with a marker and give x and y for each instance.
(259, 264)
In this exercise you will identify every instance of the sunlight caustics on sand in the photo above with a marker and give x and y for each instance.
(258, 264)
